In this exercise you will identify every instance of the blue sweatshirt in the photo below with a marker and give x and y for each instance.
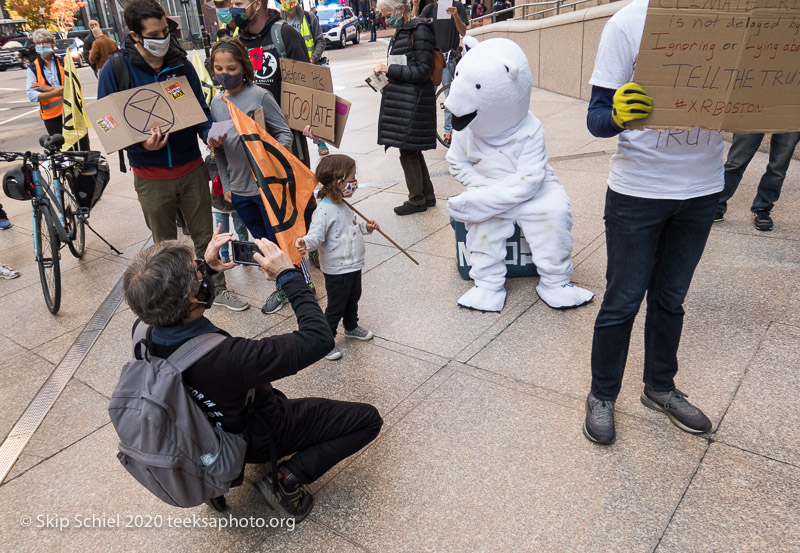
(598, 119)
(182, 145)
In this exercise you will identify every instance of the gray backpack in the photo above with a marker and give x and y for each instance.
(166, 441)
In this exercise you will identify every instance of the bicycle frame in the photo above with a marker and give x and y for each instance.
(50, 198)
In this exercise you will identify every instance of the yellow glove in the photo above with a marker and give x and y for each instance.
(631, 102)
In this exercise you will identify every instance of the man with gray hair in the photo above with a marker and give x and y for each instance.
(87, 44)
(170, 291)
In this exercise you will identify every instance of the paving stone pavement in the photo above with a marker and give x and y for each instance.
(482, 447)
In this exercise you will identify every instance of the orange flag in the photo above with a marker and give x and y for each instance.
(285, 183)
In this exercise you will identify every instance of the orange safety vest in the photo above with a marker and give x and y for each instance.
(52, 108)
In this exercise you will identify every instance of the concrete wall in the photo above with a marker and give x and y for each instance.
(560, 49)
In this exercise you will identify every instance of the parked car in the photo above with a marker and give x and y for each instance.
(339, 24)
(17, 53)
(75, 48)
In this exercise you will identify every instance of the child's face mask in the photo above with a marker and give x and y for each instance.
(350, 188)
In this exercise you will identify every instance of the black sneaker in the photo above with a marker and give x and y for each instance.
(720, 216)
(217, 503)
(408, 209)
(599, 423)
(275, 302)
(430, 203)
(762, 220)
(683, 414)
(296, 504)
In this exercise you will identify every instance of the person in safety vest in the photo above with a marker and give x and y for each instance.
(45, 84)
(307, 25)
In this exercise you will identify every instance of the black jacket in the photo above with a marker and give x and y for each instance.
(268, 69)
(220, 380)
(408, 106)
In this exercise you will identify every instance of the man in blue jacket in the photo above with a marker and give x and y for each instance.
(169, 172)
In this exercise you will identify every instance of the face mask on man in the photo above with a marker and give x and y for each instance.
(156, 46)
(224, 15)
(44, 50)
(287, 6)
(240, 17)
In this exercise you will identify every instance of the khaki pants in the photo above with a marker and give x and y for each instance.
(160, 200)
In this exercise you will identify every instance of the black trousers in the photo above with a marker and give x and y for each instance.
(53, 126)
(418, 180)
(344, 291)
(318, 433)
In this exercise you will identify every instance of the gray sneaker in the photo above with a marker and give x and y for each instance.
(333, 355)
(599, 423)
(228, 299)
(359, 333)
(683, 414)
(275, 302)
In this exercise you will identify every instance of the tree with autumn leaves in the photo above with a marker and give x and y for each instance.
(45, 13)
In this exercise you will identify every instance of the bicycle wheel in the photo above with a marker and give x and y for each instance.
(47, 244)
(441, 96)
(74, 225)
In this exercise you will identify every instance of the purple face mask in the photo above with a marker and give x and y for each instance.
(229, 82)
(350, 188)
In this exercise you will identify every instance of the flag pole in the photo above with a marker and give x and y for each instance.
(395, 244)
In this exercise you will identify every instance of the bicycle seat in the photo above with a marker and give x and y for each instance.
(53, 142)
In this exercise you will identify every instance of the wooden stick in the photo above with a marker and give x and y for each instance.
(395, 244)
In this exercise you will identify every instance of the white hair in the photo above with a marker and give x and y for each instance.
(43, 34)
(394, 4)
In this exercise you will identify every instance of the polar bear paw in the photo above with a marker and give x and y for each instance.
(565, 296)
(483, 299)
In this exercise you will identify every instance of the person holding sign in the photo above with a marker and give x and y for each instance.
(44, 85)
(234, 71)
(409, 67)
(663, 191)
(168, 170)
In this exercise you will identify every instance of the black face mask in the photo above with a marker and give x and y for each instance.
(205, 295)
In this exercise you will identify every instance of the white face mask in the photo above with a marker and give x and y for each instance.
(156, 46)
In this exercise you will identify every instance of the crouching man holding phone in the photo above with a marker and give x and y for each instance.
(168, 289)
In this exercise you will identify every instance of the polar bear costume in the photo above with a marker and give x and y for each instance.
(498, 154)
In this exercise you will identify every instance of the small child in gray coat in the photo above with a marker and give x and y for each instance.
(337, 235)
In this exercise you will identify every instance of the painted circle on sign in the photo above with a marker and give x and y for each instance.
(147, 109)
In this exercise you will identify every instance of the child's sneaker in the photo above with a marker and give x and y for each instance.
(4, 223)
(359, 333)
(333, 355)
(7, 272)
(322, 148)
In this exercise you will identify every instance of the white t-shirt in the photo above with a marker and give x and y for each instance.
(654, 164)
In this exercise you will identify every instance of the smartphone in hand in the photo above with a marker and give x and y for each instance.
(243, 252)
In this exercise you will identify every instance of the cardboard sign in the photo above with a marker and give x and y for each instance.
(307, 98)
(127, 117)
(305, 106)
(342, 111)
(307, 75)
(729, 65)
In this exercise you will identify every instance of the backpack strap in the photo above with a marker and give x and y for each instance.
(122, 77)
(193, 350)
(277, 37)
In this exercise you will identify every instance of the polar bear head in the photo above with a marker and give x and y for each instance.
(491, 91)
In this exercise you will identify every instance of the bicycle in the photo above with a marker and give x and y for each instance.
(58, 218)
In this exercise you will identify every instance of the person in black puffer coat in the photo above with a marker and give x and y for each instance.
(408, 106)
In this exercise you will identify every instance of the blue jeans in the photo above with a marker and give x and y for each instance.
(448, 72)
(251, 210)
(743, 148)
(238, 225)
(653, 247)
